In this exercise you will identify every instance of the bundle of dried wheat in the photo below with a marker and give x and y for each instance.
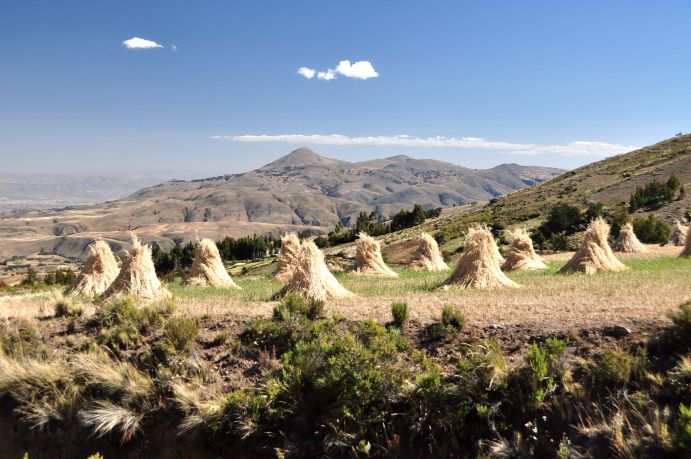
(137, 276)
(311, 278)
(100, 270)
(207, 268)
(428, 257)
(687, 247)
(479, 265)
(679, 234)
(594, 254)
(287, 257)
(521, 256)
(628, 242)
(368, 258)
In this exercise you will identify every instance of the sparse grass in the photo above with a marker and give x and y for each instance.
(66, 306)
(180, 332)
(452, 317)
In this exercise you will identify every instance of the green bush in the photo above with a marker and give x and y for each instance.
(123, 324)
(400, 314)
(542, 360)
(613, 369)
(295, 306)
(452, 317)
(651, 230)
(684, 428)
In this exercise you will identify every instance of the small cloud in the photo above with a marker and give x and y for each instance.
(328, 75)
(361, 70)
(307, 72)
(140, 43)
(173, 47)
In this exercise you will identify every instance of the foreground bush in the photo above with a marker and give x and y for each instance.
(349, 389)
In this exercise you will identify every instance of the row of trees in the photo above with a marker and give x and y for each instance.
(564, 220)
(369, 223)
(245, 248)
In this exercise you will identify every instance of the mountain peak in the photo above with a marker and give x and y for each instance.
(302, 157)
(302, 154)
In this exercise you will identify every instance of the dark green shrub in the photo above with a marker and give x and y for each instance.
(399, 312)
(677, 337)
(651, 230)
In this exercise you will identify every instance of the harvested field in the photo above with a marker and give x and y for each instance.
(657, 281)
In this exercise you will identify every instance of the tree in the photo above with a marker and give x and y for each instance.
(595, 210)
(651, 230)
(562, 218)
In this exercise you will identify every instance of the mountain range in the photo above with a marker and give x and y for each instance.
(301, 190)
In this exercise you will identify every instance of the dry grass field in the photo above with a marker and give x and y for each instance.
(655, 282)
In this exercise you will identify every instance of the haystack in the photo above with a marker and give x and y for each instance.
(287, 257)
(207, 268)
(521, 256)
(594, 254)
(627, 241)
(368, 259)
(137, 276)
(427, 255)
(311, 278)
(679, 234)
(99, 271)
(687, 247)
(479, 266)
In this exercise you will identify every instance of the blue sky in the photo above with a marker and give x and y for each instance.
(529, 77)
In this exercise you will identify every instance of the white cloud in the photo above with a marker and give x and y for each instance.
(306, 72)
(576, 148)
(327, 75)
(174, 47)
(361, 70)
(140, 43)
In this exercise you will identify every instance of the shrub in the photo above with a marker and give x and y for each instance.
(296, 306)
(123, 324)
(399, 312)
(543, 367)
(677, 337)
(684, 428)
(538, 360)
(452, 317)
(180, 332)
(651, 230)
(613, 369)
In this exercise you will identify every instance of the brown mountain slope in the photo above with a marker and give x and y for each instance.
(300, 190)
